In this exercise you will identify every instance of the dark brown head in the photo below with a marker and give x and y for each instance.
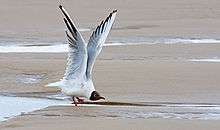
(95, 96)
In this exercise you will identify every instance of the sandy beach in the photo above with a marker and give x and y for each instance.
(159, 74)
(144, 73)
(42, 20)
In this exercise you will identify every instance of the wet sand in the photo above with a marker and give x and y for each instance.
(130, 74)
(69, 118)
(138, 70)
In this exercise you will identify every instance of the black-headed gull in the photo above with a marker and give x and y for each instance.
(77, 81)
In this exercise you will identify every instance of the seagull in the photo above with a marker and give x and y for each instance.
(77, 81)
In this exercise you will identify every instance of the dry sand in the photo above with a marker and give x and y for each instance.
(144, 73)
(26, 20)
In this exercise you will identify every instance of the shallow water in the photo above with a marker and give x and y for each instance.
(215, 60)
(12, 106)
(20, 47)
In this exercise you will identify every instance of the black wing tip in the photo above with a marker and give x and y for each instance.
(114, 11)
(60, 6)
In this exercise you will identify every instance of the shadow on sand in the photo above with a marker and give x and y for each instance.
(153, 104)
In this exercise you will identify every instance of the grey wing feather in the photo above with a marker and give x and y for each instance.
(97, 40)
(77, 55)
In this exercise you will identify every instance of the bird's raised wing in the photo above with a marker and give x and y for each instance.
(77, 56)
(97, 40)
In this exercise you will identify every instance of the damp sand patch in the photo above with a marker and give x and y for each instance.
(12, 106)
(27, 78)
(144, 110)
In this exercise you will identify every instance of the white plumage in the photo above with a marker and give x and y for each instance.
(77, 80)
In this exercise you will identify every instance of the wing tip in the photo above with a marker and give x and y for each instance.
(60, 6)
(115, 11)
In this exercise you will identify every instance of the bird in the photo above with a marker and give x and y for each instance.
(77, 81)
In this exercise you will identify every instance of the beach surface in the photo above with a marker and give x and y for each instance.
(150, 74)
(26, 20)
(178, 88)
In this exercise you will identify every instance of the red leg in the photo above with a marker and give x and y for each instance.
(74, 101)
(80, 100)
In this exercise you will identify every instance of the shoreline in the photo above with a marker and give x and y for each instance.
(68, 119)
(156, 73)
(147, 64)
(26, 105)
